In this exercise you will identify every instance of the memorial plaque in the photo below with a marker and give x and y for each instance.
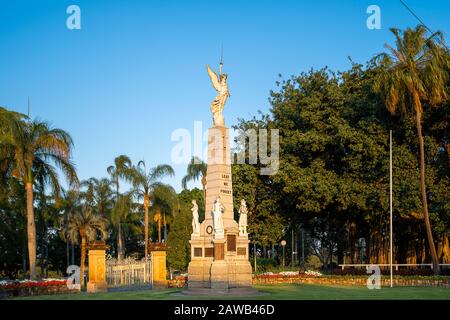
(231, 242)
(197, 252)
(218, 251)
(242, 251)
(209, 252)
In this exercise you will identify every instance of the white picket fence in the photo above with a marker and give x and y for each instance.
(128, 272)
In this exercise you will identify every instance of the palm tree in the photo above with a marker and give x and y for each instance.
(127, 212)
(196, 170)
(68, 204)
(98, 194)
(120, 170)
(85, 225)
(35, 146)
(9, 122)
(144, 184)
(163, 200)
(414, 73)
(89, 194)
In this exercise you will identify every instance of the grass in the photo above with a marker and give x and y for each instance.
(275, 292)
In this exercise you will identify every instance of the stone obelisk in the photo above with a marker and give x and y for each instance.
(219, 260)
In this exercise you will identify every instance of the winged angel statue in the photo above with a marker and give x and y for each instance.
(220, 84)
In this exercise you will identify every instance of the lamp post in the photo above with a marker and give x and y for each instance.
(283, 244)
(303, 246)
(390, 208)
(254, 255)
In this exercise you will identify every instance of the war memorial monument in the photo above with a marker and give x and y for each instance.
(219, 244)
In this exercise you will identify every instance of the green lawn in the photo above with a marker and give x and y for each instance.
(290, 292)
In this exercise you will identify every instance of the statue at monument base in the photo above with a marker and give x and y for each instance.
(195, 223)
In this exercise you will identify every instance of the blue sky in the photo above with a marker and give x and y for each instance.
(135, 71)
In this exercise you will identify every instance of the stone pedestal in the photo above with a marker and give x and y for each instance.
(219, 264)
(158, 258)
(97, 267)
(219, 267)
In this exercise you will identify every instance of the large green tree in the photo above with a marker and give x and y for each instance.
(333, 178)
(178, 251)
(259, 191)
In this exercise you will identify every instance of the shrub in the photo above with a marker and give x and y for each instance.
(265, 265)
(313, 262)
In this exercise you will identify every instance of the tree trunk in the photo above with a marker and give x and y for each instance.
(83, 260)
(165, 227)
(444, 249)
(46, 258)
(67, 241)
(331, 256)
(204, 189)
(119, 243)
(31, 230)
(67, 254)
(423, 186)
(24, 256)
(42, 245)
(146, 204)
(352, 236)
(119, 232)
(72, 253)
(159, 225)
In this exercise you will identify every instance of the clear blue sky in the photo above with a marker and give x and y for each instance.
(136, 70)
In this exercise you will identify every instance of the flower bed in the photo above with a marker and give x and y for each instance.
(178, 282)
(352, 280)
(33, 288)
(314, 277)
(288, 274)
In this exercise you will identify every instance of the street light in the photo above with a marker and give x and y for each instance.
(283, 244)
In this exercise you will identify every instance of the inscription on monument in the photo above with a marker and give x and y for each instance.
(209, 252)
(218, 251)
(198, 252)
(231, 242)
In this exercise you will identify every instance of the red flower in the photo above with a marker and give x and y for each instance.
(31, 284)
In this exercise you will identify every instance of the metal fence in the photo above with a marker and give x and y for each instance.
(128, 272)
(394, 265)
